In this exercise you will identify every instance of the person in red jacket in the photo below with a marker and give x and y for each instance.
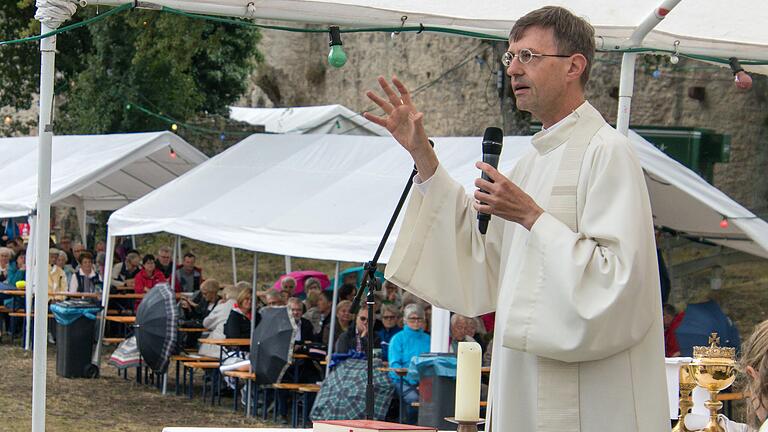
(148, 277)
(672, 321)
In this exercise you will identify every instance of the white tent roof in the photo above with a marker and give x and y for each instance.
(102, 172)
(330, 197)
(703, 27)
(325, 119)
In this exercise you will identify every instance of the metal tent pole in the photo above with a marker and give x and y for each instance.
(44, 150)
(333, 318)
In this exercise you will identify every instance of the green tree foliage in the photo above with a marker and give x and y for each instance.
(173, 65)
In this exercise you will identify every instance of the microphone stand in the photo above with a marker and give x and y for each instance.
(370, 285)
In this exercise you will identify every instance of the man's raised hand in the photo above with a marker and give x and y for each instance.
(405, 123)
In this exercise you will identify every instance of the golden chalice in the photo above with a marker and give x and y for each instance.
(714, 369)
(687, 384)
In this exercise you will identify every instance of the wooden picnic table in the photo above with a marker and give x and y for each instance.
(226, 342)
(193, 329)
(121, 319)
(13, 292)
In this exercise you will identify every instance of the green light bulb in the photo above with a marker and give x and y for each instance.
(337, 57)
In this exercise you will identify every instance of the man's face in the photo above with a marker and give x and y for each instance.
(388, 318)
(296, 310)
(100, 247)
(274, 300)
(538, 85)
(78, 249)
(323, 304)
(164, 258)
(4, 259)
(289, 285)
(66, 244)
(189, 263)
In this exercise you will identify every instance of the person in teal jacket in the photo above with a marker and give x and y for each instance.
(405, 345)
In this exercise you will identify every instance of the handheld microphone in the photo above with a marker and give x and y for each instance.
(492, 141)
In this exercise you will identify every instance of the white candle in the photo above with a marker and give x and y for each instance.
(468, 382)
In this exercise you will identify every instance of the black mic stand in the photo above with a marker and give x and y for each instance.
(370, 285)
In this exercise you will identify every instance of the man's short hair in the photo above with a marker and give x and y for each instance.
(189, 255)
(210, 285)
(328, 296)
(389, 307)
(133, 256)
(573, 35)
(164, 249)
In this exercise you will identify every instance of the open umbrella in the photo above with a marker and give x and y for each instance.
(301, 276)
(272, 345)
(360, 271)
(342, 395)
(157, 327)
(701, 319)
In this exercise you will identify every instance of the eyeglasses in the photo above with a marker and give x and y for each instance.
(525, 56)
(388, 317)
(415, 319)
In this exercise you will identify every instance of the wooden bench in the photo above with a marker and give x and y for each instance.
(24, 314)
(112, 340)
(180, 358)
(190, 366)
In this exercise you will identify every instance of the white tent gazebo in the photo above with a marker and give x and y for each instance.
(89, 172)
(324, 119)
(330, 197)
(703, 28)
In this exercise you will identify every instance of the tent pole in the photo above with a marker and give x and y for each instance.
(29, 280)
(174, 261)
(254, 297)
(82, 222)
(333, 318)
(234, 267)
(44, 150)
(626, 86)
(110, 251)
(287, 264)
(628, 60)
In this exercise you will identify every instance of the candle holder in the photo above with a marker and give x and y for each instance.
(464, 425)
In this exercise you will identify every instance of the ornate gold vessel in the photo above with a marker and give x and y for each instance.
(714, 369)
(687, 384)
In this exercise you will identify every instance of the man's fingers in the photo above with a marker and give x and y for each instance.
(405, 95)
(482, 208)
(484, 184)
(488, 169)
(483, 197)
(394, 99)
(375, 119)
(418, 122)
(381, 102)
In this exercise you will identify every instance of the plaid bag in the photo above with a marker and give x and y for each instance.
(342, 394)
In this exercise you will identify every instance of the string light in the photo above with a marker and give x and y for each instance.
(174, 127)
(336, 57)
(675, 57)
(8, 120)
(740, 77)
(724, 223)
(172, 153)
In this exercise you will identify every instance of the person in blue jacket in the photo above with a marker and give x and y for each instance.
(405, 345)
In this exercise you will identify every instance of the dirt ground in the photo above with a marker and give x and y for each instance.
(109, 403)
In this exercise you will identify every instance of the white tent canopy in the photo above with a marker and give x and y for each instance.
(325, 119)
(94, 172)
(703, 27)
(330, 197)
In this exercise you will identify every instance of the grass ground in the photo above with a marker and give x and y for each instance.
(109, 403)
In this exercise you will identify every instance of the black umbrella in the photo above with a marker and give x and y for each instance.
(157, 327)
(272, 345)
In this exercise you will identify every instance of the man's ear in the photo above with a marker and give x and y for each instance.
(576, 67)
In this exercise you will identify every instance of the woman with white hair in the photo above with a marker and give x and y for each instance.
(405, 345)
(216, 319)
(5, 262)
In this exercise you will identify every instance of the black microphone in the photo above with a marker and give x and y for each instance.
(492, 141)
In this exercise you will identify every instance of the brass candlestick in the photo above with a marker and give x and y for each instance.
(465, 426)
(687, 384)
(714, 369)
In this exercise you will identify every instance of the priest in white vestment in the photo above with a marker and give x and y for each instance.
(568, 262)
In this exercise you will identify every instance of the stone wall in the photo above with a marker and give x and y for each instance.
(463, 99)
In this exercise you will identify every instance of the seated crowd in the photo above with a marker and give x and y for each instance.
(401, 320)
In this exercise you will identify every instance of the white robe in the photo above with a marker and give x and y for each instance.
(591, 297)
